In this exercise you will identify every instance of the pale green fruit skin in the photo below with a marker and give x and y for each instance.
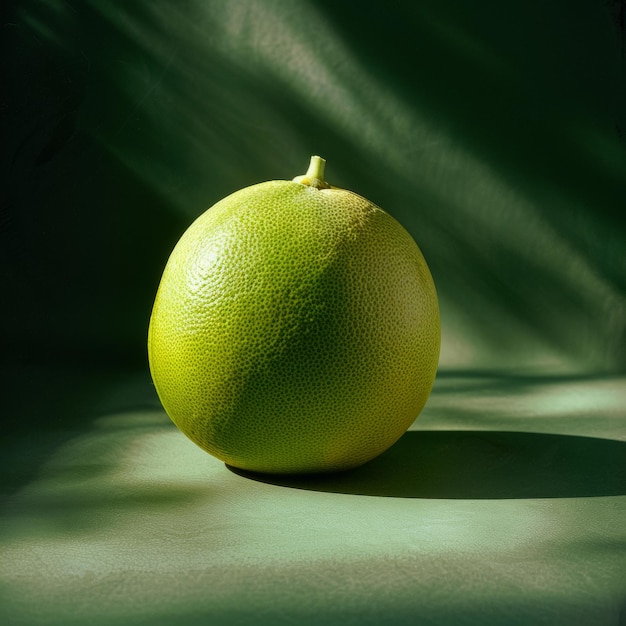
(295, 329)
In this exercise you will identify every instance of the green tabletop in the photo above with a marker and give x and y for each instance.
(505, 503)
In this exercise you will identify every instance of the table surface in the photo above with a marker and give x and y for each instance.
(504, 504)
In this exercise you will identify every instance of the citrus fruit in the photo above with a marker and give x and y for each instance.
(295, 328)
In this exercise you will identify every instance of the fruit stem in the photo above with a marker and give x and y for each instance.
(314, 176)
(316, 168)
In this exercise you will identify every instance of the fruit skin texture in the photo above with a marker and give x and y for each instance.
(295, 329)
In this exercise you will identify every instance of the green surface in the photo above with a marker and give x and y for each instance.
(504, 505)
(494, 133)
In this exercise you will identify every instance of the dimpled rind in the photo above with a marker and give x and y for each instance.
(294, 330)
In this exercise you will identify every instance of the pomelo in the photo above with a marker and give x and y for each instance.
(295, 329)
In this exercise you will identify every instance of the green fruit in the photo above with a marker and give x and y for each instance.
(295, 329)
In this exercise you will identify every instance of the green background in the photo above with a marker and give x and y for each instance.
(495, 132)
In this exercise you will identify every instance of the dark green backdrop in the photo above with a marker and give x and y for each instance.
(493, 132)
